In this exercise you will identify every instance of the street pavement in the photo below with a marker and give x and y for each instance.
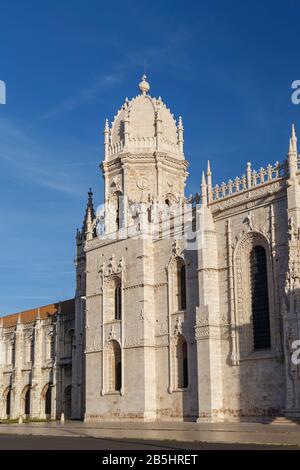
(13, 442)
(162, 432)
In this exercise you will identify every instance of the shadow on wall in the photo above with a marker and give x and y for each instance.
(184, 374)
(258, 386)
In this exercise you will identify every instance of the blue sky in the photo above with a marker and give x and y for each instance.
(226, 67)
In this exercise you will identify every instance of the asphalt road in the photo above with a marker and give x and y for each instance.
(13, 442)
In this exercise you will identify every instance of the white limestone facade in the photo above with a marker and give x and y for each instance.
(36, 349)
(191, 317)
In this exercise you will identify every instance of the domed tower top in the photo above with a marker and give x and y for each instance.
(144, 124)
(143, 150)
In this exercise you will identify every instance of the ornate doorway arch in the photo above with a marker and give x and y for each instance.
(46, 400)
(25, 402)
(67, 402)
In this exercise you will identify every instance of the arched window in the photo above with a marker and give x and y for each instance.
(32, 349)
(50, 346)
(114, 367)
(8, 402)
(181, 284)
(118, 206)
(27, 402)
(69, 341)
(67, 401)
(48, 399)
(260, 298)
(168, 219)
(181, 370)
(29, 349)
(114, 299)
(118, 214)
(182, 288)
(11, 352)
(118, 300)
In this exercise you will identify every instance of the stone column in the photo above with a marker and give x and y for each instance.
(2, 366)
(207, 329)
(56, 394)
(36, 379)
(147, 323)
(17, 383)
(78, 360)
(290, 306)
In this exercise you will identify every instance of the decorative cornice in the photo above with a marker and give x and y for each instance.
(248, 196)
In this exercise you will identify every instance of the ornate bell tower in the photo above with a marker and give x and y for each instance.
(143, 154)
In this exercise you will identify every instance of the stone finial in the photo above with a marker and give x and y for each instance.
(209, 181)
(203, 190)
(106, 138)
(294, 139)
(292, 154)
(180, 134)
(180, 123)
(208, 173)
(89, 216)
(144, 85)
(38, 315)
(249, 173)
(90, 197)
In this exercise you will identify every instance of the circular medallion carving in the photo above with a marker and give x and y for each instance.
(142, 182)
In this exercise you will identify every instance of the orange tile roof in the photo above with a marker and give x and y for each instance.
(28, 316)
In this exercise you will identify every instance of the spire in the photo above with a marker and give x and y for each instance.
(294, 139)
(208, 173)
(203, 190)
(90, 204)
(106, 138)
(180, 123)
(209, 183)
(38, 315)
(292, 153)
(180, 130)
(144, 85)
(249, 175)
(89, 216)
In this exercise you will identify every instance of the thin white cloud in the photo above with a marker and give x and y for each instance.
(28, 159)
(172, 55)
(70, 104)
